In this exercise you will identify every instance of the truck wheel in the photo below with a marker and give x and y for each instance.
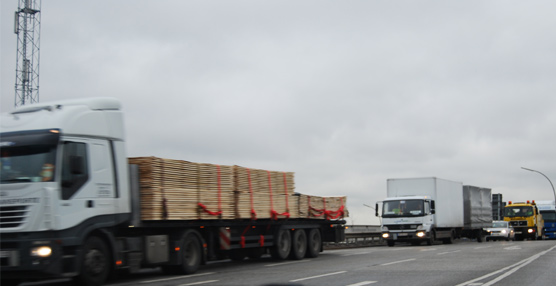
(95, 265)
(432, 238)
(299, 244)
(191, 253)
(314, 243)
(282, 245)
(390, 243)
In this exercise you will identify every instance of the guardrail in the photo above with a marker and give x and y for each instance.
(360, 235)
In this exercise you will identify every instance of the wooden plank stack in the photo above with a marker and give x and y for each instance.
(182, 190)
(263, 194)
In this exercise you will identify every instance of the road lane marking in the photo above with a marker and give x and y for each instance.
(358, 253)
(286, 263)
(400, 261)
(177, 277)
(482, 247)
(506, 271)
(515, 247)
(428, 249)
(318, 276)
(448, 252)
(199, 283)
(362, 283)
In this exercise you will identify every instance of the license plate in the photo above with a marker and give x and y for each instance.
(518, 232)
(402, 234)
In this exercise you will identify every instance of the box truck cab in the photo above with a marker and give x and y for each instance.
(408, 218)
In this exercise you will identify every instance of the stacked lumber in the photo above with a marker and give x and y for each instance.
(183, 190)
(318, 207)
(262, 193)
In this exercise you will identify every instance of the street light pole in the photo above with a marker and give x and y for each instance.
(554, 191)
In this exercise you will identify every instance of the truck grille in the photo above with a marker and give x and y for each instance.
(401, 226)
(518, 223)
(12, 216)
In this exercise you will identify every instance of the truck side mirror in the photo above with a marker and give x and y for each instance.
(376, 209)
(432, 207)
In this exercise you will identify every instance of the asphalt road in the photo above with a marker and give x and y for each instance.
(462, 263)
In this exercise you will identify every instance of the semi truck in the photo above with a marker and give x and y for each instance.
(428, 209)
(71, 205)
(525, 218)
(548, 212)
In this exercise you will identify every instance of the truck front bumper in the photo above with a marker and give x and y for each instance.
(420, 235)
(36, 259)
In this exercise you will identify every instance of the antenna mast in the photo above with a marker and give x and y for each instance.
(27, 26)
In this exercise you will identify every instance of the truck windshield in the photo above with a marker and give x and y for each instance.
(549, 216)
(518, 211)
(28, 156)
(401, 208)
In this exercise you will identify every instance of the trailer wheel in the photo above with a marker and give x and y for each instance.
(450, 239)
(191, 253)
(299, 244)
(95, 265)
(282, 245)
(314, 243)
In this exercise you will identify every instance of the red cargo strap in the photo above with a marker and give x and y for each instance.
(261, 241)
(204, 208)
(274, 214)
(253, 213)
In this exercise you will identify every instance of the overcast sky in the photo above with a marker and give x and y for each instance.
(346, 94)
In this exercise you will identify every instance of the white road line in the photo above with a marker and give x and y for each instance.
(358, 253)
(400, 261)
(318, 276)
(199, 283)
(177, 277)
(362, 283)
(286, 263)
(506, 270)
(448, 252)
(482, 247)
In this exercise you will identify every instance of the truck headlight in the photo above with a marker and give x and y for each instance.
(530, 230)
(41, 251)
(385, 235)
(420, 234)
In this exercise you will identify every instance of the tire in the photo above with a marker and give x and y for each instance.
(432, 238)
(299, 244)
(314, 243)
(191, 253)
(95, 263)
(282, 245)
(390, 243)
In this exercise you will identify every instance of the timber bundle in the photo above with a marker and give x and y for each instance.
(182, 190)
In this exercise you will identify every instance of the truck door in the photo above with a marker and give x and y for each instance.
(87, 181)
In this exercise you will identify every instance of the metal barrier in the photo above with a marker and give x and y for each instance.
(359, 236)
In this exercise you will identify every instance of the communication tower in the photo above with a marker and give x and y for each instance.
(27, 26)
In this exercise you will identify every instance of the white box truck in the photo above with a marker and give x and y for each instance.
(420, 210)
